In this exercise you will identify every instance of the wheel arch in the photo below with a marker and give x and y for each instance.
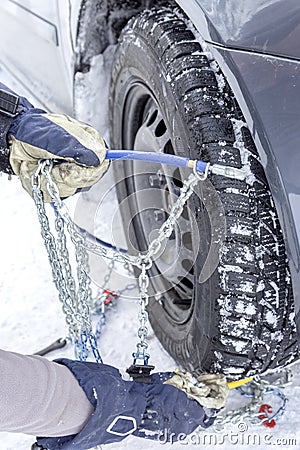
(160, 35)
(107, 24)
(106, 20)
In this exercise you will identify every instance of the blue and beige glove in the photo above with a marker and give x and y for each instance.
(78, 150)
(122, 408)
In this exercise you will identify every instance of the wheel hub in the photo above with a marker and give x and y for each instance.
(172, 262)
(154, 190)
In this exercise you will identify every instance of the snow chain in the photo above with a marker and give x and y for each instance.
(256, 411)
(74, 298)
(77, 301)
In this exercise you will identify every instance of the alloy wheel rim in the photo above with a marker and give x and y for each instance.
(152, 190)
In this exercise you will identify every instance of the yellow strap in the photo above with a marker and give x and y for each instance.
(238, 383)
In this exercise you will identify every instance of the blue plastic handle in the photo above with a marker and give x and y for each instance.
(161, 158)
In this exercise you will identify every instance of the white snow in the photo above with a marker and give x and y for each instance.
(276, 289)
(248, 256)
(271, 318)
(231, 268)
(242, 308)
(95, 393)
(250, 310)
(260, 286)
(240, 229)
(238, 344)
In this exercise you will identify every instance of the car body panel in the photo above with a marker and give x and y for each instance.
(260, 63)
(266, 26)
(272, 110)
(267, 88)
(43, 26)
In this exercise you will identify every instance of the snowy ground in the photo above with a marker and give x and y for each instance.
(32, 318)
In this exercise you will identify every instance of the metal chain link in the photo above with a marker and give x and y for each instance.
(168, 226)
(77, 305)
(144, 261)
(74, 302)
(256, 390)
(99, 304)
(164, 231)
(141, 355)
(55, 261)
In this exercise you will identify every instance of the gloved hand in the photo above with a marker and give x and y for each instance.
(77, 148)
(122, 408)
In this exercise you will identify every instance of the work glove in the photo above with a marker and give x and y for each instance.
(123, 408)
(209, 389)
(76, 149)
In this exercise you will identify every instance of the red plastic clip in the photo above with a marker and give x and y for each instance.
(110, 295)
(266, 410)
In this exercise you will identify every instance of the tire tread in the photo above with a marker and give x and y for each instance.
(252, 329)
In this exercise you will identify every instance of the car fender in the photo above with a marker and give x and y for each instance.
(258, 80)
(267, 88)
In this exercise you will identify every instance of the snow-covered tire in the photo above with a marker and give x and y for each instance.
(239, 321)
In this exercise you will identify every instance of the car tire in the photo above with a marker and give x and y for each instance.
(168, 94)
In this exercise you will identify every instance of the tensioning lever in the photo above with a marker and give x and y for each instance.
(201, 168)
(156, 157)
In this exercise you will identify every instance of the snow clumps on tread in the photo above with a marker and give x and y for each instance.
(254, 328)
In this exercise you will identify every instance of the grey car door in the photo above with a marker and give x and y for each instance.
(35, 46)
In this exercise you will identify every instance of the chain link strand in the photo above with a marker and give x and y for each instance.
(256, 391)
(144, 261)
(74, 301)
(77, 304)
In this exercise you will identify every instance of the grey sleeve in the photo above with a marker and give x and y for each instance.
(40, 397)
